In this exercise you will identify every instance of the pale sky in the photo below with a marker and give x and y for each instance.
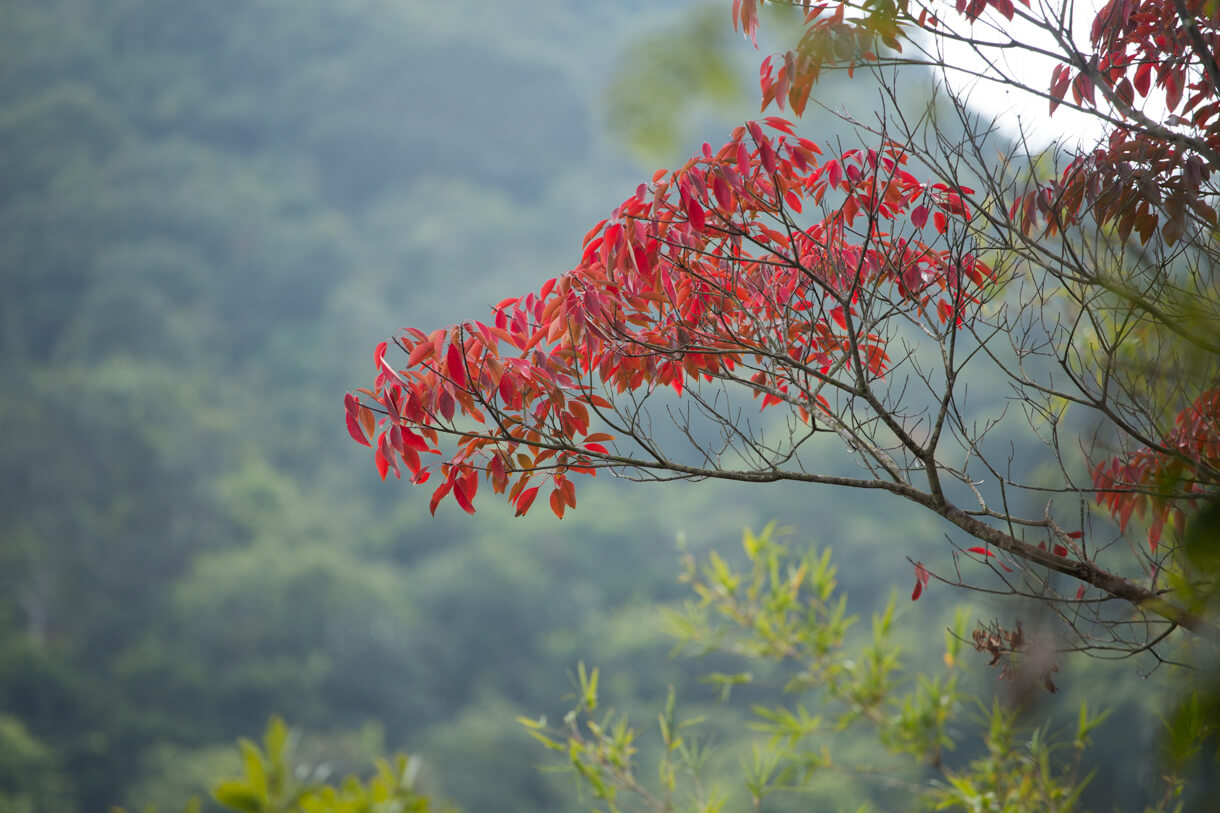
(1014, 108)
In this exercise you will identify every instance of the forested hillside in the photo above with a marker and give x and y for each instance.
(208, 213)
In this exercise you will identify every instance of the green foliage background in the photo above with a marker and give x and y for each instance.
(210, 213)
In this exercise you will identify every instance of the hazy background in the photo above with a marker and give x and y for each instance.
(210, 213)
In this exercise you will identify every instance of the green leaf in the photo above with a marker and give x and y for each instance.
(237, 795)
(545, 740)
(726, 682)
(275, 740)
(256, 773)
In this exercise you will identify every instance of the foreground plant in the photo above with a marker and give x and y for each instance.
(272, 780)
(784, 616)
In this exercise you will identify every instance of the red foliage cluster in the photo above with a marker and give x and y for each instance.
(1163, 483)
(1149, 174)
(714, 272)
(1144, 43)
(1148, 177)
(700, 275)
(831, 37)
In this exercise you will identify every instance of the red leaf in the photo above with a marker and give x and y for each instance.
(1080, 592)
(921, 581)
(984, 552)
(439, 495)
(798, 158)
(724, 196)
(368, 421)
(1060, 78)
(749, 19)
(411, 458)
(508, 391)
(444, 403)
(353, 428)
(695, 214)
(755, 131)
(390, 371)
(780, 124)
(1143, 78)
(495, 470)
(952, 203)
(641, 259)
(1173, 91)
(1082, 89)
(835, 173)
(941, 222)
(557, 504)
(767, 156)
(459, 494)
(526, 500)
(919, 216)
(455, 363)
(1059, 550)
(851, 208)
(411, 440)
(420, 352)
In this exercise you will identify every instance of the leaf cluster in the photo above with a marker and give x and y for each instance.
(271, 781)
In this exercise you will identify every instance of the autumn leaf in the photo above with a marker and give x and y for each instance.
(526, 500)
(921, 581)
